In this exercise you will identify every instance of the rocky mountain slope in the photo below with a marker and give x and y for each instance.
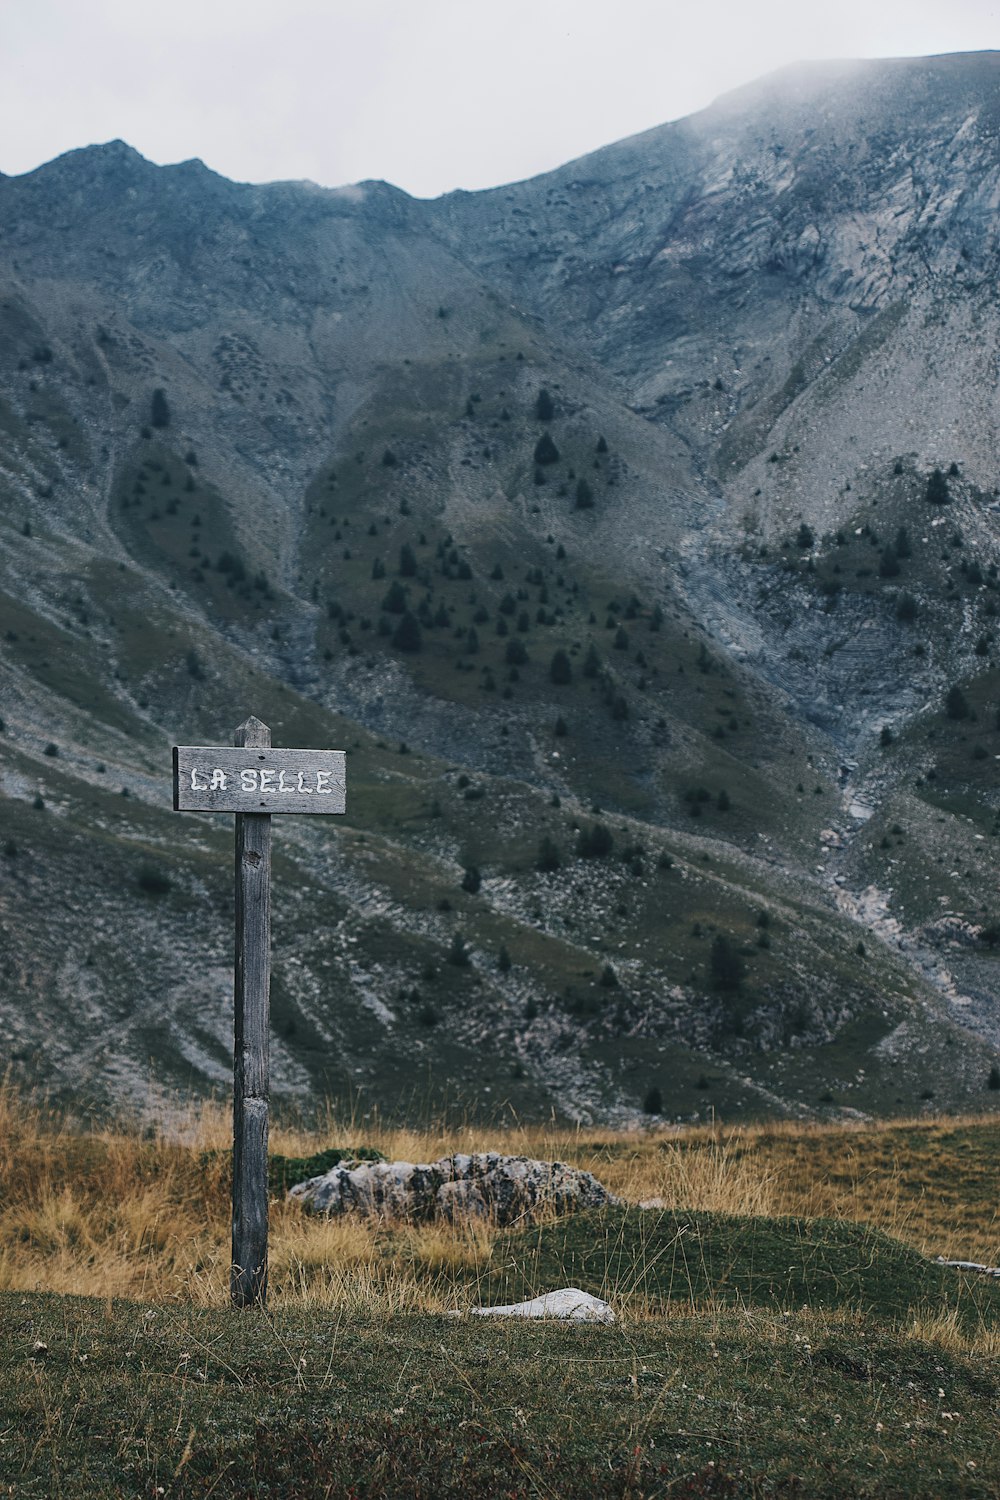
(633, 528)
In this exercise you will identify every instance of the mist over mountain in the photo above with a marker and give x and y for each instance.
(634, 529)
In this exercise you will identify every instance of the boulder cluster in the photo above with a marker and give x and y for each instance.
(501, 1189)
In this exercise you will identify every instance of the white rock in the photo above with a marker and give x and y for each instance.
(568, 1302)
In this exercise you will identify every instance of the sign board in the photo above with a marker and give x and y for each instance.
(253, 780)
(258, 780)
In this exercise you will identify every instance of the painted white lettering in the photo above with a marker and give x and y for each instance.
(322, 777)
(218, 781)
(305, 790)
(267, 780)
(248, 780)
(196, 785)
(281, 783)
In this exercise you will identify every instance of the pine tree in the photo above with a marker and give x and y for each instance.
(549, 858)
(594, 842)
(458, 954)
(725, 964)
(560, 670)
(937, 491)
(407, 635)
(546, 451)
(956, 705)
(160, 411)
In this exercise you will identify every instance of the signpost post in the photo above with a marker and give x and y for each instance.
(254, 780)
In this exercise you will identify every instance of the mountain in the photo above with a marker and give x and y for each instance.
(633, 528)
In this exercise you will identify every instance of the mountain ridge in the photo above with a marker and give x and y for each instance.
(466, 487)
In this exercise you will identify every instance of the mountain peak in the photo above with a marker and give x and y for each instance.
(107, 151)
(99, 157)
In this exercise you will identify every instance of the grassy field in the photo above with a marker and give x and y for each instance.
(782, 1327)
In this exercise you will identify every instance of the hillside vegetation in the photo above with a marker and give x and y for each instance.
(634, 531)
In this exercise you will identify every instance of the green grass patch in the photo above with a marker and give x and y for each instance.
(659, 1257)
(63, 661)
(173, 520)
(114, 1400)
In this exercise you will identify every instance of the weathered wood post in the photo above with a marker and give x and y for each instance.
(251, 995)
(253, 780)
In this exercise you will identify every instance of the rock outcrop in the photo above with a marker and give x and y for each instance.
(502, 1189)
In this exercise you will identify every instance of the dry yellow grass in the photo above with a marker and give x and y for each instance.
(945, 1329)
(115, 1212)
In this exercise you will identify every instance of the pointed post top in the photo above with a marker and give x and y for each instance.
(252, 734)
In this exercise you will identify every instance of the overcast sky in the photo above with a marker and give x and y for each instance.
(428, 94)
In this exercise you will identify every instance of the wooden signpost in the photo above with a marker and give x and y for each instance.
(253, 780)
